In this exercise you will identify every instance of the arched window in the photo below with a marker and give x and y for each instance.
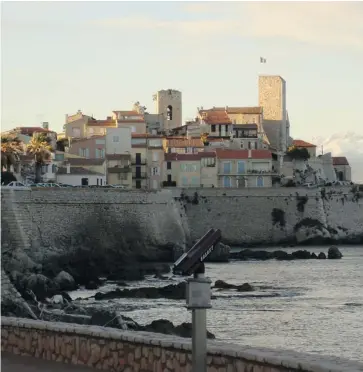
(169, 112)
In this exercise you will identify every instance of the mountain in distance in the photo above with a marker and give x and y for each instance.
(347, 144)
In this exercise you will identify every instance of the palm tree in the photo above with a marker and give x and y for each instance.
(11, 148)
(40, 147)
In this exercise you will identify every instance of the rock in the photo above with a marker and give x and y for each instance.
(41, 286)
(166, 327)
(109, 318)
(334, 253)
(313, 255)
(65, 281)
(91, 285)
(172, 291)
(321, 256)
(302, 255)
(282, 256)
(246, 287)
(220, 253)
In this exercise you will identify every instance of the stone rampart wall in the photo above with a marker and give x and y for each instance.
(115, 350)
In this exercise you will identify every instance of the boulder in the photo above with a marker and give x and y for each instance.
(334, 253)
(302, 254)
(220, 253)
(41, 286)
(245, 287)
(172, 292)
(65, 281)
(321, 256)
(313, 255)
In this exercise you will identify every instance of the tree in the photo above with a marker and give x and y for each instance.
(11, 148)
(62, 144)
(204, 138)
(298, 153)
(40, 147)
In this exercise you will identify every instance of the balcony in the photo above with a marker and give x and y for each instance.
(139, 175)
(139, 162)
(169, 183)
(124, 169)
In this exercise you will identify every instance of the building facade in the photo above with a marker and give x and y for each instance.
(244, 168)
(342, 168)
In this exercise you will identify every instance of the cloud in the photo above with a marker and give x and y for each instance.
(337, 24)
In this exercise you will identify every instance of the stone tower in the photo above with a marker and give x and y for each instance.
(169, 104)
(272, 98)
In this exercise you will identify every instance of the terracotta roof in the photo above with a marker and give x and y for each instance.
(340, 160)
(243, 154)
(78, 170)
(145, 135)
(118, 156)
(215, 117)
(29, 131)
(301, 143)
(189, 157)
(101, 123)
(87, 162)
(184, 142)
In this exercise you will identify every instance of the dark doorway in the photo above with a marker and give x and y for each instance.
(138, 158)
(84, 181)
(340, 176)
(138, 172)
(138, 184)
(169, 177)
(169, 112)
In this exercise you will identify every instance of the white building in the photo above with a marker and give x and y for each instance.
(79, 176)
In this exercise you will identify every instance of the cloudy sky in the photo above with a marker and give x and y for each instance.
(58, 57)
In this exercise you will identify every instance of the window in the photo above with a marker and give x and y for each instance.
(195, 181)
(155, 156)
(255, 145)
(213, 128)
(188, 167)
(226, 181)
(155, 171)
(169, 177)
(168, 165)
(259, 181)
(100, 153)
(249, 145)
(169, 112)
(115, 139)
(84, 152)
(54, 168)
(227, 167)
(241, 167)
(184, 181)
(133, 129)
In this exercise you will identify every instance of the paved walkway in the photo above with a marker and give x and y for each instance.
(16, 363)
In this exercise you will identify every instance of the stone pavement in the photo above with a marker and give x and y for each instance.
(16, 363)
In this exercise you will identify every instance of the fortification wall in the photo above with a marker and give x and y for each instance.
(114, 350)
(272, 216)
(59, 219)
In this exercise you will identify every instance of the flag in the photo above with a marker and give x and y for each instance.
(263, 60)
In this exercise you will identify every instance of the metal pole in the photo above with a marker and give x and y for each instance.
(199, 340)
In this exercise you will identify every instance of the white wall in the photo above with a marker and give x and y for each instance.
(118, 140)
(76, 179)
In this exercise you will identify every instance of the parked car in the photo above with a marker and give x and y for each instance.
(16, 185)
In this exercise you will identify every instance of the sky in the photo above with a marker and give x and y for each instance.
(58, 57)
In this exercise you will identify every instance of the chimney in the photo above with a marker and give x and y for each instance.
(45, 125)
(68, 168)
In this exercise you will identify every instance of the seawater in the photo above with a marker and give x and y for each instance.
(313, 306)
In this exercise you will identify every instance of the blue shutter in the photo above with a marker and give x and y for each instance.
(87, 153)
(227, 168)
(241, 167)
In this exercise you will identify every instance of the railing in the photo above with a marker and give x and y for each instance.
(140, 175)
(125, 169)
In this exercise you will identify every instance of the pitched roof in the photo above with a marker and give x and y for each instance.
(78, 171)
(340, 160)
(242, 154)
(184, 142)
(216, 117)
(189, 157)
(101, 123)
(301, 143)
(29, 131)
(83, 161)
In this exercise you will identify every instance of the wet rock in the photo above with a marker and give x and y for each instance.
(172, 291)
(166, 327)
(41, 286)
(321, 256)
(110, 318)
(334, 253)
(220, 253)
(65, 281)
(246, 287)
(301, 255)
(249, 254)
(91, 285)
(282, 256)
(313, 255)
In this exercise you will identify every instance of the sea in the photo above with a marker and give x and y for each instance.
(313, 306)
